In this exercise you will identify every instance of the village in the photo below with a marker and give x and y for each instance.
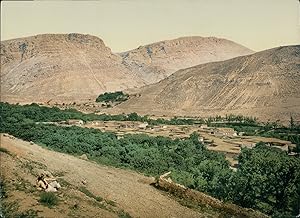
(224, 140)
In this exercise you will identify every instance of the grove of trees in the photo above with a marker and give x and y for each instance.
(118, 96)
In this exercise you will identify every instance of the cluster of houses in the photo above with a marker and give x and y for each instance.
(219, 132)
(174, 131)
(123, 127)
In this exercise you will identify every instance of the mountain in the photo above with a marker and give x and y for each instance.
(62, 67)
(265, 84)
(76, 67)
(158, 60)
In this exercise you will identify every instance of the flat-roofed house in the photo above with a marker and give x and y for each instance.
(75, 122)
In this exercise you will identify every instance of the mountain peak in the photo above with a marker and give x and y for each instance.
(83, 38)
(168, 56)
(63, 67)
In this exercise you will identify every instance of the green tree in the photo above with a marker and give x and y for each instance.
(292, 123)
(267, 179)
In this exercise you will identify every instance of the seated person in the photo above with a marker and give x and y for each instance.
(43, 184)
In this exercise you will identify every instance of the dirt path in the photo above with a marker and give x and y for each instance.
(129, 190)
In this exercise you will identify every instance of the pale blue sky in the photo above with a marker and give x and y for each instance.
(126, 24)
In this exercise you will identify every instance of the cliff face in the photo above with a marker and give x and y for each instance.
(265, 84)
(63, 67)
(158, 60)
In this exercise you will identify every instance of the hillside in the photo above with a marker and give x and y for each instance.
(158, 60)
(125, 191)
(61, 67)
(265, 84)
(77, 68)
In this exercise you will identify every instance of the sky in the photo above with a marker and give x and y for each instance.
(127, 24)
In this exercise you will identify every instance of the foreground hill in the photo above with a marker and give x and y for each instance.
(76, 67)
(123, 191)
(65, 67)
(265, 84)
(158, 60)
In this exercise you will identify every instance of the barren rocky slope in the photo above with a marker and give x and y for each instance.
(265, 84)
(77, 67)
(66, 67)
(158, 60)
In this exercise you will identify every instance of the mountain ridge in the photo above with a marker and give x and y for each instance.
(77, 67)
(62, 66)
(264, 84)
(166, 57)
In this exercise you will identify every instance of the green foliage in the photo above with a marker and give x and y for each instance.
(150, 155)
(4, 150)
(123, 214)
(267, 179)
(29, 114)
(110, 202)
(48, 199)
(182, 121)
(292, 123)
(3, 193)
(232, 119)
(34, 113)
(251, 127)
(112, 97)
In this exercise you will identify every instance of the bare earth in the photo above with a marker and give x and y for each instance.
(130, 191)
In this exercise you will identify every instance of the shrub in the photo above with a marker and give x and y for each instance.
(48, 199)
(4, 150)
(123, 214)
(112, 97)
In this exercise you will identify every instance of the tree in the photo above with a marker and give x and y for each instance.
(118, 96)
(267, 179)
(133, 117)
(194, 137)
(292, 124)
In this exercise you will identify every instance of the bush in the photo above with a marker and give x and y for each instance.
(123, 214)
(48, 199)
(4, 150)
(112, 97)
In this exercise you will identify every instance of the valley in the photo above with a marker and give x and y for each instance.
(223, 140)
(220, 120)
